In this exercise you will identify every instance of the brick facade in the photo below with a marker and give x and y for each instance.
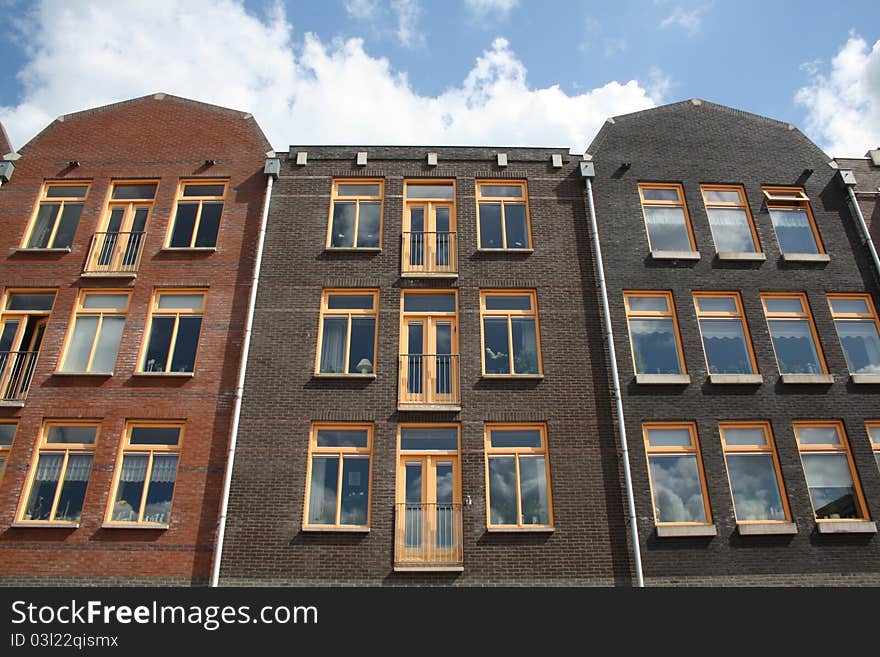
(867, 189)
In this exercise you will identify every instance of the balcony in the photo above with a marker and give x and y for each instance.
(429, 382)
(429, 254)
(115, 254)
(428, 537)
(16, 374)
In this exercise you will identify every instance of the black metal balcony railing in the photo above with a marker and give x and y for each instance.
(429, 253)
(428, 536)
(16, 374)
(427, 379)
(115, 253)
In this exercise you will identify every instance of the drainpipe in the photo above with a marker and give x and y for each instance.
(588, 172)
(272, 169)
(849, 180)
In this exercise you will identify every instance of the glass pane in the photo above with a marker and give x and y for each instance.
(725, 343)
(415, 370)
(490, 226)
(43, 225)
(114, 223)
(678, 496)
(30, 301)
(525, 345)
(669, 437)
(342, 438)
(831, 486)
(333, 345)
(501, 191)
(755, 487)
(66, 229)
(342, 228)
(108, 344)
(362, 342)
(73, 490)
(66, 191)
(850, 306)
(131, 488)
(154, 436)
(533, 490)
(357, 189)
(873, 432)
(497, 348)
(794, 346)
(753, 436)
(161, 489)
(80, 346)
(793, 231)
(186, 344)
(350, 301)
(413, 507)
(111, 301)
(44, 486)
(721, 196)
(443, 361)
(648, 304)
(654, 194)
(430, 191)
(355, 490)
(203, 190)
(515, 437)
(429, 303)
(7, 433)
(184, 224)
(416, 237)
(783, 305)
(818, 435)
(181, 301)
(158, 345)
(429, 438)
(209, 224)
(654, 346)
(515, 226)
(716, 304)
(508, 302)
(75, 435)
(133, 192)
(861, 345)
(502, 490)
(731, 230)
(444, 525)
(667, 229)
(368, 225)
(7, 336)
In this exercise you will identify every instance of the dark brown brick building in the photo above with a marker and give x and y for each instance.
(744, 313)
(867, 188)
(426, 397)
(127, 248)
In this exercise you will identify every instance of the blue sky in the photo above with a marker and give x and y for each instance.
(504, 72)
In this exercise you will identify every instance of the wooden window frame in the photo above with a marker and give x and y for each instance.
(125, 448)
(738, 314)
(110, 203)
(640, 314)
(201, 200)
(43, 198)
(43, 447)
(806, 314)
(7, 314)
(5, 450)
(334, 196)
(874, 441)
(742, 205)
(870, 315)
(772, 201)
(841, 448)
(341, 452)
(769, 448)
(681, 203)
(694, 448)
(516, 452)
(148, 326)
(349, 313)
(503, 200)
(100, 313)
(509, 315)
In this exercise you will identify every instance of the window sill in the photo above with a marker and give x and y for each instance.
(766, 528)
(428, 569)
(512, 377)
(96, 374)
(663, 379)
(736, 379)
(418, 274)
(675, 255)
(505, 250)
(352, 249)
(520, 530)
(168, 374)
(865, 378)
(108, 275)
(24, 249)
(37, 524)
(133, 525)
(671, 531)
(824, 379)
(15, 403)
(198, 249)
(741, 256)
(429, 407)
(846, 527)
(333, 529)
(328, 375)
(806, 257)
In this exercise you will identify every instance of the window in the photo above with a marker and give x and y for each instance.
(197, 218)
(517, 475)
(678, 486)
(339, 476)
(56, 216)
(429, 371)
(856, 322)
(511, 340)
(22, 325)
(93, 338)
(730, 219)
(503, 213)
(874, 435)
(173, 336)
(60, 473)
(793, 220)
(828, 467)
(117, 247)
(666, 217)
(7, 433)
(146, 470)
(753, 472)
(726, 342)
(429, 237)
(347, 332)
(355, 215)
(653, 333)
(795, 342)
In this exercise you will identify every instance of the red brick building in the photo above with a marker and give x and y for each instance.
(128, 242)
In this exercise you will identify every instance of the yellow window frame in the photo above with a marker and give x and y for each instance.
(5, 450)
(680, 203)
(739, 314)
(775, 198)
(100, 313)
(177, 312)
(348, 313)
(638, 314)
(201, 200)
(742, 204)
(357, 199)
(508, 315)
(44, 198)
(503, 201)
(805, 314)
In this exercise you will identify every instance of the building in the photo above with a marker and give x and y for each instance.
(866, 171)
(426, 398)
(128, 246)
(743, 306)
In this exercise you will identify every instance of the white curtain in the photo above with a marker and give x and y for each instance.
(164, 469)
(333, 345)
(134, 467)
(790, 218)
(78, 467)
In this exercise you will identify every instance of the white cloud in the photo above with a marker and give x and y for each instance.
(302, 90)
(690, 20)
(362, 8)
(408, 12)
(485, 7)
(843, 107)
